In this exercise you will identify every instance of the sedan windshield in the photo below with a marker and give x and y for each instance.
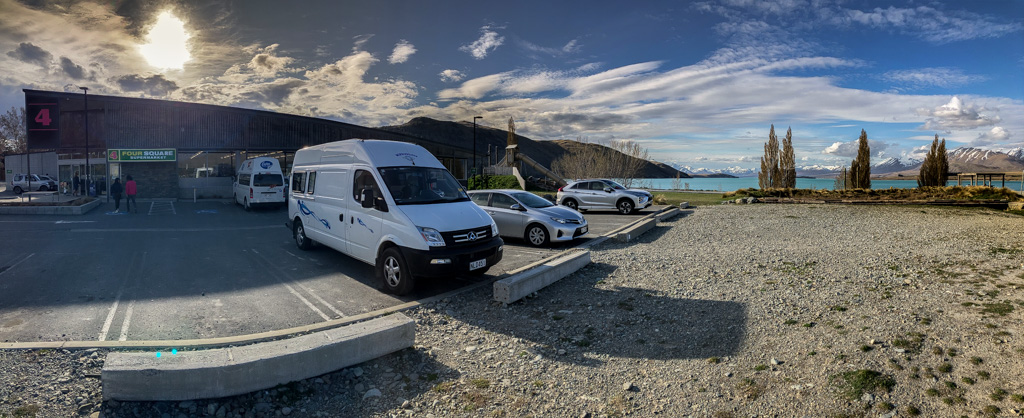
(422, 185)
(531, 200)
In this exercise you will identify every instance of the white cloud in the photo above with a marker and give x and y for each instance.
(995, 136)
(931, 24)
(488, 41)
(359, 40)
(475, 88)
(403, 50)
(849, 149)
(451, 75)
(956, 115)
(929, 77)
(265, 64)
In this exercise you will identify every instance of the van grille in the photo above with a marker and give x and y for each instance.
(464, 237)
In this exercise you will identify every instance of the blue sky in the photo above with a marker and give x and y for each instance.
(697, 83)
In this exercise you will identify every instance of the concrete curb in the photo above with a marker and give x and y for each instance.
(636, 230)
(517, 286)
(236, 370)
(667, 214)
(50, 210)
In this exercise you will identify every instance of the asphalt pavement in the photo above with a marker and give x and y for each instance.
(193, 270)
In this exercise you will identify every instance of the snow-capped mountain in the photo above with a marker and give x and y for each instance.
(894, 165)
(968, 159)
(732, 171)
(817, 170)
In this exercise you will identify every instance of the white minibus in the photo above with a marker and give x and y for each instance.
(259, 181)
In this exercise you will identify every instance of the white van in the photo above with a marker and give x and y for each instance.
(392, 205)
(259, 181)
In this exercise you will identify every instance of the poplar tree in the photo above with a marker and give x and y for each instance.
(860, 168)
(787, 164)
(770, 175)
(935, 168)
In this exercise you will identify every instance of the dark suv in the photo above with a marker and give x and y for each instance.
(602, 194)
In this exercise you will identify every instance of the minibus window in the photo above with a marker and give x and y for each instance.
(298, 182)
(267, 180)
(311, 182)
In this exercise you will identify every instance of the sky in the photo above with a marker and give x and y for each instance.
(698, 84)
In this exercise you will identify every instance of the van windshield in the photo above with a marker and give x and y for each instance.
(422, 185)
(268, 180)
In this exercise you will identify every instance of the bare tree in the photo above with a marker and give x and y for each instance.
(621, 160)
(12, 135)
(787, 164)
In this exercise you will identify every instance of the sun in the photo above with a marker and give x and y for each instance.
(167, 46)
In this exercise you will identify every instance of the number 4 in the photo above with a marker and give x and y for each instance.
(43, 117)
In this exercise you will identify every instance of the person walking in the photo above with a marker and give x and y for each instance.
(76, 183)
(115, 191)
(130, 189)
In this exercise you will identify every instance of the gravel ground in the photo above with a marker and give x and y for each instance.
(738, 310)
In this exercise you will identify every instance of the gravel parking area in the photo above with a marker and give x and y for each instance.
(738, 310)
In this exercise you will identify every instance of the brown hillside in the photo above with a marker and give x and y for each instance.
(544, 152)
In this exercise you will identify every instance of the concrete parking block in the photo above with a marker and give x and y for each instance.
(636, 230)
(667, 214)
(236, 370)
(517, 286)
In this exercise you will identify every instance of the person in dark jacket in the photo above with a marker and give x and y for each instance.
(76, 184)
(116, 190)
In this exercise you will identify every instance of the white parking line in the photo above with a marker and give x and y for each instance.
(16, 264)
(127, 320)
(281, 273)
(117, 300)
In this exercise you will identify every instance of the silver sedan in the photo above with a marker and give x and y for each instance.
(525, 215)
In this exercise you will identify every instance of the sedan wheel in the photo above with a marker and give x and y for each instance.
(537, 235)
(625, 207)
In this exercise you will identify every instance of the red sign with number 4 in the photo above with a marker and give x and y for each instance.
(43, 122)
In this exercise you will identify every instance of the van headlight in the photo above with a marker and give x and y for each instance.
(494, 229)
(431, 236)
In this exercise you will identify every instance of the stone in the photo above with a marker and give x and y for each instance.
(868, 397)
(775, 362)
(470, 349)
(372, 393)
(629, 387)
(358, 371)
(286, 411)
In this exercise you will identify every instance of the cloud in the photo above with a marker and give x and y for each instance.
(73, 70)
(403, 50)
(996, 135)
(489, 41)
(359, 40)
(451, 75)
(27, 52)
(932, 77)
(152, 85)
(931, 24)
(265, 64)
(475, 88)
(571, 47)
(849, 149)
(955, 115)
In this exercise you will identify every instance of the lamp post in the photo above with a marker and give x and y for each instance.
(474, 141)
(88, 170)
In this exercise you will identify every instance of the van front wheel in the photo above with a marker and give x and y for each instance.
(301, 240)
(394, 272)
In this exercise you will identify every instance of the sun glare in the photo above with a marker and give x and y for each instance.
(167, 43)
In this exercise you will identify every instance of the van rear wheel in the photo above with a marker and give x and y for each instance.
(394, 272)
(301, 240)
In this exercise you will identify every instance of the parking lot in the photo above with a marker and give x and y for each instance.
(184, 270)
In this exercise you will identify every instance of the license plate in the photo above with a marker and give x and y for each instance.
(478, 264)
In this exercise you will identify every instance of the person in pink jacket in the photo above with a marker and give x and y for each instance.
(130, 190)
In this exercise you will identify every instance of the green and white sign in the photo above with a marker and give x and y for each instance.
(142, 155)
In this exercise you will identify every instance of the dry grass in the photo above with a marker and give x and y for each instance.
(927, 193)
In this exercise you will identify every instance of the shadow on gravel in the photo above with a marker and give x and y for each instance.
(348, 392)
(580, 320)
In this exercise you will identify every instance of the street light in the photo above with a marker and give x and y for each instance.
(88, 171)
(474, 141)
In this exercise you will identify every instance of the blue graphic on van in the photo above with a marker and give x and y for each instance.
(266, 164)
(360, 220)
(408, 156)
(306, 211)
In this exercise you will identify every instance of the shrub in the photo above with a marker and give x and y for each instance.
(493, 182)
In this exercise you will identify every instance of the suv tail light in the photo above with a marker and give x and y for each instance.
(250, 193)
(559, 189)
